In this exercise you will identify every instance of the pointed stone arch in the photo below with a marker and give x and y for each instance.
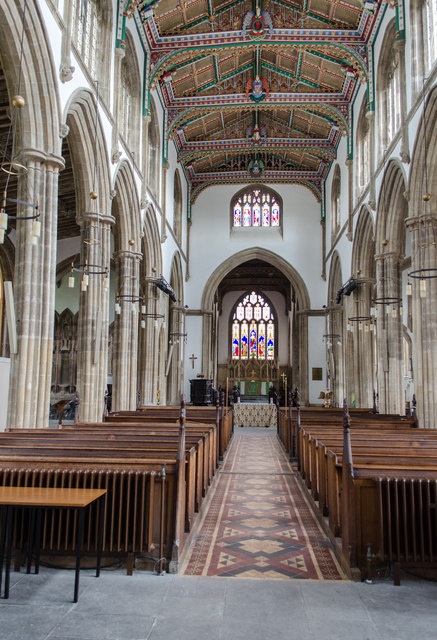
(127, 256)
(392, 212)
(362, 336)
(126, 210)
(90, 167)
(176, 324)
(300, 363)
(40, 115)
(363, 249)
(422, 225)
(38, 145)
(151, 268)
(89, 154)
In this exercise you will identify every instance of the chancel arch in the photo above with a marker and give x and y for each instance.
(296, 305)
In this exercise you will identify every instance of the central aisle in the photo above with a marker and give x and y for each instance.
(258, 523)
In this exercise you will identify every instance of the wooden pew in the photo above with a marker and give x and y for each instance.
(149, 481)
(377, 484)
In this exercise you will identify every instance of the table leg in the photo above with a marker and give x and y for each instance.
(38, 538)
(9, 520)
(100, 534)
(79, 537)
(30, 538)
(3, 515)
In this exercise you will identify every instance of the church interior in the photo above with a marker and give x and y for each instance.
(218, 263)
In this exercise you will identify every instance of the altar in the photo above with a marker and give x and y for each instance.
(247, 414)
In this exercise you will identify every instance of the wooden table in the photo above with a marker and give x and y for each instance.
(255, 414)
(37, 499)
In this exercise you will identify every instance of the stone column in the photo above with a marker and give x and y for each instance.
(389, 335)
(125, 348)
(66, 70)
(148, 347)
(145, 155)
(207, 347)
(323, 224)
(365, 338)
(350, 197)
(119, 55)
(34, 294)
(405, 147)
(423, 231)
(187, 273)
(300, 360)
(93, 322)
(370, 115)
(165, 168)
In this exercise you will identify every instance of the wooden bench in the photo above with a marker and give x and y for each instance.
(377, 485)
(151, 479)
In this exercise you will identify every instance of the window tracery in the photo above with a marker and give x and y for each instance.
(85, 30)
(256, 207)
(253, 329)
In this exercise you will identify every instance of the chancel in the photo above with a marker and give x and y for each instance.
(218, 297)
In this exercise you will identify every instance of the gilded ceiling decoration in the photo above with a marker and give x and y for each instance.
(257, 83)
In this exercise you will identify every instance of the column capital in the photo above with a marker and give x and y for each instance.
(127, 255)
(92, 216)
(413, 222)
(388, 255)
(28, 155)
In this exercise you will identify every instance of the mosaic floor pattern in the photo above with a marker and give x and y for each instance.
(258, 523)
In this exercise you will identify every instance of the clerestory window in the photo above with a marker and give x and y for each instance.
(256, 206)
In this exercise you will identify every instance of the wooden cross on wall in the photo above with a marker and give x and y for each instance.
(193, 358)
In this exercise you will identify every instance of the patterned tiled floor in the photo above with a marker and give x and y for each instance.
(258, 523)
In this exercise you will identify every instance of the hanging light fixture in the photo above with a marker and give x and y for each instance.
(11, 166)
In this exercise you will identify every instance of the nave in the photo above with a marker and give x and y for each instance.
(258, 523)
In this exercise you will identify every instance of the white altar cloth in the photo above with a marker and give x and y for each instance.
(248, 414)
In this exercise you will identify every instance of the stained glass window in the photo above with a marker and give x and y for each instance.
(253, 329)
(256, 208)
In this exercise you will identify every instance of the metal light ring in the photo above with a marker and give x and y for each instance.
(423, 274)
(360, 319)
(153, 315)
(19, 168)
(128, 298)
(90, 269)
(26, 204)
(35, 217)
(387, 300)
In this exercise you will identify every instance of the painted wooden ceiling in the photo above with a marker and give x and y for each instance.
(257, 88)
